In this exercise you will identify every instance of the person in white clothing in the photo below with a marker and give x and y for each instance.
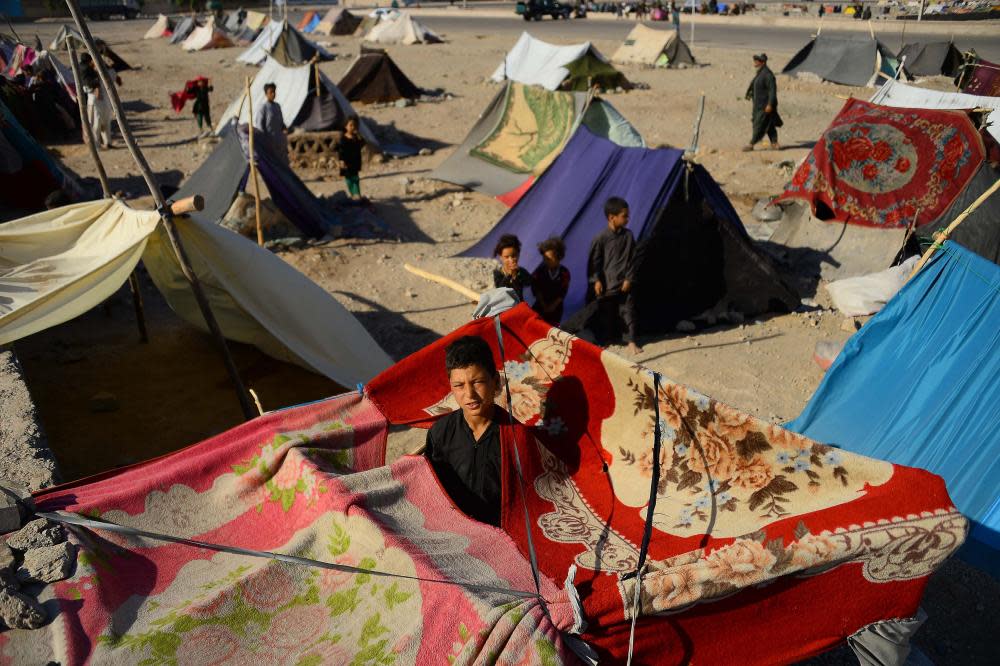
(98, 106)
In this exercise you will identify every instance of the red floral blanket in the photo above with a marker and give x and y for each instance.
(881, 166)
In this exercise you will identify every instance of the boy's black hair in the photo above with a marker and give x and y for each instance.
(507, 240)
(614, 206)
(555, 244)
(468, 351)
(271, 86)
(353, 117)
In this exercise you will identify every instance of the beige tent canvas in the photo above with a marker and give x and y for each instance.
(402, 29)
(161, 28)
(653, 48)
(207, 37)
(338, 22)
(255, 20)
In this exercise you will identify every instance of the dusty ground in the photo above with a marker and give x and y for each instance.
(180, 393)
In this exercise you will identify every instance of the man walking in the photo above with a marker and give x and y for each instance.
(763, 92)
(272, 124)
(98, 107)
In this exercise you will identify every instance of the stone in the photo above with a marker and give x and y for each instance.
(48, 564)
(7, 561)
(38, 533)
(19, 611)
(103, 402)
(10, 513)
(425, 152)
(685, 326)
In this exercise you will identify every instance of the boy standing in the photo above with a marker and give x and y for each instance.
(550, 281)
(272, 123)
(611, 272)
(349, 156)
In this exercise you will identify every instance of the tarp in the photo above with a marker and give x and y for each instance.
(295, 92)
(159, 29)
(980, 77)
(917, 385)
(852, 61)
(183, 30)
(374, 77)
(868, 294)
(931, 59)
(534, 62)
(704, 259)
(283, 42)
(653, 48)
(338, 22)
(894, 93)
(307, 19)
(207, 37)
(468, 170)
(401, 29)
(60, 263)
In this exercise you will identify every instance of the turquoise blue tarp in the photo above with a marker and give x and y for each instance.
(919, 385)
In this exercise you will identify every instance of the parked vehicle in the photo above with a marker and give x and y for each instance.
(102, 10)
(535, 10)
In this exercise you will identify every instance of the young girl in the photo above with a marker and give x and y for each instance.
(349, 152)
(201, 109)
(510, 275)
(550, 281)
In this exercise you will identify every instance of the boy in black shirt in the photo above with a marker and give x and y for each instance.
(464, 446)
(349, 152)
(611, 272)
(510, 274)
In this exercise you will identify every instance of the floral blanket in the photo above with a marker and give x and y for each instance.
(756, 531)
(290, 482)
(881, 166)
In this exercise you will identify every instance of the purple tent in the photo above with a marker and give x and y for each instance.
(693, 251)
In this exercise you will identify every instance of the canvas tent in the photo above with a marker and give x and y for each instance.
(309, 22)
(309, 482)
(284, 43)
(301, 107)
(207, 37)
(112, 59)
(162, 28)
(931, 59)
(374, 77)
(897, 168)
(653, 48)
(851, 61)
(400, 29)
(689, 237)
(88, 251)
(495, 160)
(554, 67)
(938, 413)
(183, 30)
(255, 20)
(338, 22)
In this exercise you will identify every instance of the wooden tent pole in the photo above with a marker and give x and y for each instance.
(166, 215)
(942, 236)
(319, 85)
(88, 138)
(451, 284)
(253, 171)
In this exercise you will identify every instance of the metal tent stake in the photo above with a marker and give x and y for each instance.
(166, 214)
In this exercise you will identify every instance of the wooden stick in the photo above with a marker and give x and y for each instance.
(451, 284)
(188, 205)
(942, 236)
(161, 204)
(316, 70)
(253, 172)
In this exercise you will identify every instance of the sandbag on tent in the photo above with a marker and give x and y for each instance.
(534, 62)
(401, 29)
(207, 37)
(931, 59)
(284, 43)
(851, 61)
(183, 30)
(60, 263)
(162, 28)
(338, 22)
(894, 93)
(653, 48)
(917, 385)
(493, 161)
(111, 59)
(689, 237)
(894, 168)
(301, 107)
(374, 77)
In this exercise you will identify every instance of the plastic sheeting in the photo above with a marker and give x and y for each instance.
(867, 294)
(918, 386)
(539, 63)
(894, 93)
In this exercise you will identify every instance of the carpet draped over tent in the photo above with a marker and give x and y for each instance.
(894, 93)
(979, 77)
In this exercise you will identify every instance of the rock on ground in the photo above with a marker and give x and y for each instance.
(18, 611)
(48, 564)
(38, 533)
(25, 458)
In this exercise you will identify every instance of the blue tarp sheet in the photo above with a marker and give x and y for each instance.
(312, 24)
(918, 386)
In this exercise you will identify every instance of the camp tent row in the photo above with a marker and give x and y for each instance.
(163, 27)
(282, 42)
(207, 36)
(577, 67)
(852, 61)
(653, 48)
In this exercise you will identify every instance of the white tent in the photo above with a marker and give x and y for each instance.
(401, 29)
(268, 37)
(539, 63)
(894, 93)
(207, 37)
(159, 29)
(58, 264)
(292, 87)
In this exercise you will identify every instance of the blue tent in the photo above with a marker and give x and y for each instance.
(918, 386)
(313, 22)
(693, 251)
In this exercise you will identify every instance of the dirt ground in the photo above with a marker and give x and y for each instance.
(174, 391)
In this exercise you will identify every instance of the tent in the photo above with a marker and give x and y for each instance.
(917, 385)
(87, 251)
(183, 30)
(894, 93)
(895, 168)
(309, 21)
(301, 107)
(162, 28)
(112, 59)
(931, 59)
(494, 160)
(851, 61)
(693, 252)
(255, 20)
(284, 43)
(653, 48)
(207, 37)
(979, 77)
(400, 29)
(374, 77)
(740, 535)
(338, 22)
(535, 62)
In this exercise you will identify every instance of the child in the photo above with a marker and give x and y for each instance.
(611, 272)
(509, 274)
(201, 110)
(550, 281)
(349, 155)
